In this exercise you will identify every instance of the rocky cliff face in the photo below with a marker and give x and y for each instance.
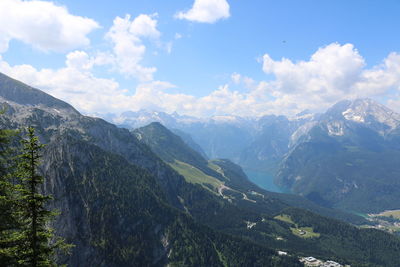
(104, 211)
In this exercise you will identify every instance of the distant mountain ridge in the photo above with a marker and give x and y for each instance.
(361, 132)
(255, 143)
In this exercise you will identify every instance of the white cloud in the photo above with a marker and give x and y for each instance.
(236, 78)
(73, 83)
(42, 24)
(145, 26)
(206, 11)
(128, 48)
(332, 73)
(76, 83)
(381, 78)
(79, 60)
(332, 68)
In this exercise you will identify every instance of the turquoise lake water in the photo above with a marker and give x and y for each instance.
(264, 180)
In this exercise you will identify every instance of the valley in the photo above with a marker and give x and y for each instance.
(329, 158)
(167, 195)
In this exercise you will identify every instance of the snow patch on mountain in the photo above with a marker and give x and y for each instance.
(225, 118)
(335, 128)
(368, 111)
(349, 115)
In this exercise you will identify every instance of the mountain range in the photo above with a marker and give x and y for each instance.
(253, 143)
(147, 197)
(345, 158)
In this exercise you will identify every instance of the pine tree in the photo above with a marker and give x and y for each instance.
(35, 248)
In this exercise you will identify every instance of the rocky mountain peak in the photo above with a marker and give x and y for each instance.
(364, 111)
(17, 92)
(369, 111)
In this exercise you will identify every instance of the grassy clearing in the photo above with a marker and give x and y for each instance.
(194, 175)
(391, 213)
(284, 218)
(303, 232)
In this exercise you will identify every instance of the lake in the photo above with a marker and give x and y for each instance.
(264, 180)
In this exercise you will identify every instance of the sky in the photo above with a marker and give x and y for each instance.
(204, 57)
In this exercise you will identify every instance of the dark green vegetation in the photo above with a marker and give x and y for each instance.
(348, 164)
(331, 233)
(121, 205)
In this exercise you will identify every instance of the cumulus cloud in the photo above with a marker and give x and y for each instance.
(44, 25)
(332, 73)
(236, 78)
(76, 82)
(239, 79)
(128, 49)
(144, 26)
(206, 11)
(381, 78)
(332, 68)
(72, 83)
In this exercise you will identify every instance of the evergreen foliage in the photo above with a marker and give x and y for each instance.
(35, 238)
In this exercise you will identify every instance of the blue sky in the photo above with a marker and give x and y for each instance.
(204, 57)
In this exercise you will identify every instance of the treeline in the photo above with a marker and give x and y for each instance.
(25, 236)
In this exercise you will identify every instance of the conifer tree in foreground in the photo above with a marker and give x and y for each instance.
(35, 248)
